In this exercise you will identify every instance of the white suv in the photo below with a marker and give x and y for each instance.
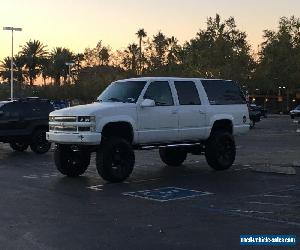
(176, 115)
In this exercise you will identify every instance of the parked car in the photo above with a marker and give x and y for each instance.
(262, 111)
(254, 115)
(24, 123)
(176, 115)
(60, 104)
(295, 112)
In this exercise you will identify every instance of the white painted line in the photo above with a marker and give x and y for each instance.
(30, 176)
(145, 180)
(251, 211)
(275, 169)
(96, 187)
(239, 169)
(277, 196)
(273, 204)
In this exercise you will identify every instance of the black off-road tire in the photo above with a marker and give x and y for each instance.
(39, 143)
(220, 150)
(172, 156)
(115, 159)
(69, 162)
(19, 146)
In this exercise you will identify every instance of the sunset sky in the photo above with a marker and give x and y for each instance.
(77, 24)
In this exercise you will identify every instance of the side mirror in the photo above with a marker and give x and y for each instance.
(148, 103)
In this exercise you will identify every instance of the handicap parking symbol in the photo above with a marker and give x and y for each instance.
(167, 194)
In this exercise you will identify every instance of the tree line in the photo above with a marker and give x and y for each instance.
(220, 50)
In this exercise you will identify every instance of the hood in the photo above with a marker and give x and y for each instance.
(89, 109)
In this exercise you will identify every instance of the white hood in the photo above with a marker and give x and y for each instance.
(89, 109)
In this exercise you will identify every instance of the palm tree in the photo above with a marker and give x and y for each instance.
(34, 52)
(5, 68)
(140, 34)
(130, 59)
(58, 59)
(19, 62)
(104, 56)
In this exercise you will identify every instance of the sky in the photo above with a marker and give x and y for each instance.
(79, 24)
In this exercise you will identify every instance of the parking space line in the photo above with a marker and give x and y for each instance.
(277, 196)
(251, 211)
(96, 187)
(273, 204)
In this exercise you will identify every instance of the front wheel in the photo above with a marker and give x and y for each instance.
(220, 150)
(18, 146)
(69, 162)
(172, 156)
(39, 143)
(115, 159)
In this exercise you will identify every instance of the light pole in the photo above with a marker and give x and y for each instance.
(12, 59)
(70, 64)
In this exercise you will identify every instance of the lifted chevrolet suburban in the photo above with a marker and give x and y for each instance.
(176, 115)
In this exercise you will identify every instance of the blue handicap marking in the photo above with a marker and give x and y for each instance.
(166, 194)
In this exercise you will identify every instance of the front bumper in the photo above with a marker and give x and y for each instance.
(91, 138)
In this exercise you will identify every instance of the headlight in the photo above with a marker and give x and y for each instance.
(51, 118)
(86, 118)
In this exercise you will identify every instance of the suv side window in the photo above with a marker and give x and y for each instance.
(187, 93)
(220, 92)
(160, 92)
(12, 110)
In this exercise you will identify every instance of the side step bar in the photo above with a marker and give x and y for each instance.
(150, 147)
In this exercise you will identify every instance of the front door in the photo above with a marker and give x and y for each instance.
(159, 123)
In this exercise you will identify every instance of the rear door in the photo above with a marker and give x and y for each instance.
(191, 112)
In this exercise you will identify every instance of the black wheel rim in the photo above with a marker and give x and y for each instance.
(41, 143)
(120, 157)
(225, 152)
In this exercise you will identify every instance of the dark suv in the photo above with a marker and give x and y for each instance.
(24, 122)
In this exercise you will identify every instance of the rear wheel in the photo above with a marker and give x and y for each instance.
(69, 162)
(172, 156)
(115, 159)
(18, 146)
(39, 143)
(220, 150)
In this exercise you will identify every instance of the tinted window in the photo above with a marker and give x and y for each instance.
(128, 91)
(187, 93)
(160, 92)
(12, 110)
(222, 92)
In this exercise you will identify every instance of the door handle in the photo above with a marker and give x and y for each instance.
(174, 112)
(201, 112)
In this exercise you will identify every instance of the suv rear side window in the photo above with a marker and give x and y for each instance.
(12, 110)
(220, 92)
(187, 93)
(160, 92)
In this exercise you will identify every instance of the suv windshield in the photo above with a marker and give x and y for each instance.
(127, 91)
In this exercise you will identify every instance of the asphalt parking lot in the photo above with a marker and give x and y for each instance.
(41, 209)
